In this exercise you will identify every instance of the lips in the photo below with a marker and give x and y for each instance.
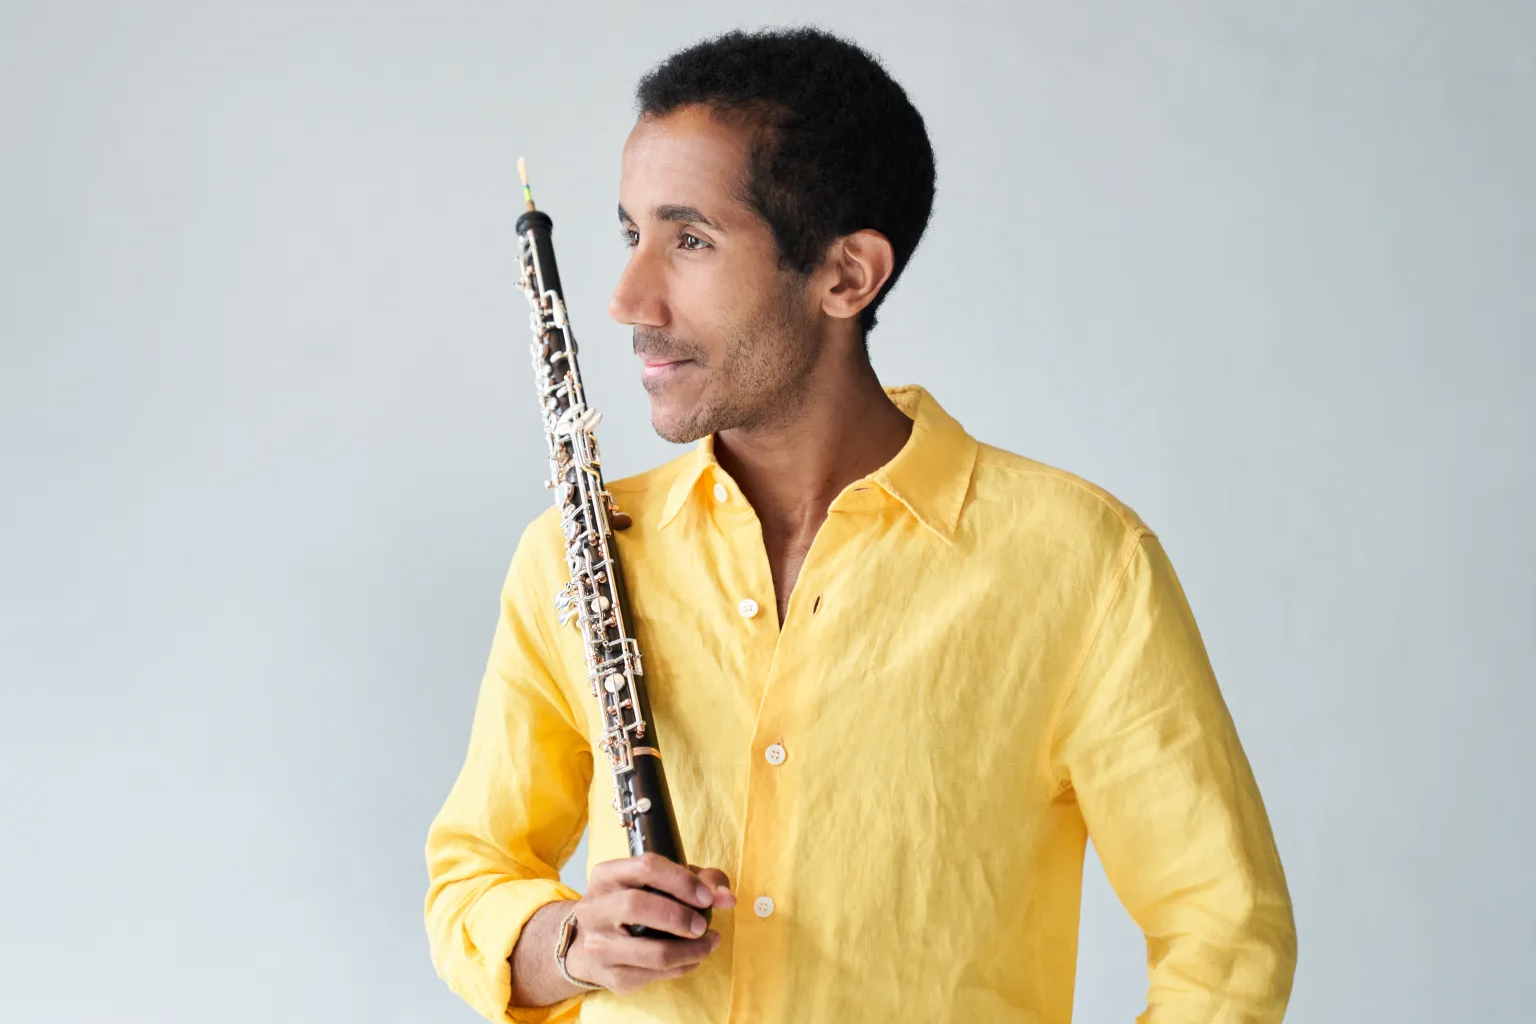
(654, 371)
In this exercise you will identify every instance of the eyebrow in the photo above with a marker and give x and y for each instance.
(672, 212)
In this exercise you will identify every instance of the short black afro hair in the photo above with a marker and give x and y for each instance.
(844, 149)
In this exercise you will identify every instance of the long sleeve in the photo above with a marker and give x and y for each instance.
(1148, 746)
(518, 808)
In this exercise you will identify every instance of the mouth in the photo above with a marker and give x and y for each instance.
(660, 369)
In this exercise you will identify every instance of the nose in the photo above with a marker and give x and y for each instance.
(640, 296)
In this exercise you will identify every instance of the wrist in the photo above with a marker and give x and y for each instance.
(565, 940)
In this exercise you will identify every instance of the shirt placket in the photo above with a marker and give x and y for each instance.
(758, 936)
(771, 821)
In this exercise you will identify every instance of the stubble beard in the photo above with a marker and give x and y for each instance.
(759, 383)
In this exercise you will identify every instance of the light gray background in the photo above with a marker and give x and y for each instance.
(1263, 270)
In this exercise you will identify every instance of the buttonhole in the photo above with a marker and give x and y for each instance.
(816, 604)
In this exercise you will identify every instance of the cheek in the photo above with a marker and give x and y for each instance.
(709, 302)
(745, 288)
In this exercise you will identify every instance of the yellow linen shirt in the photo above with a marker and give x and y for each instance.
(985, 661)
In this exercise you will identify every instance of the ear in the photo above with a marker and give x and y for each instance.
(857, 265)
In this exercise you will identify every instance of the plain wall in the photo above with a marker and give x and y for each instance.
(1266, 271)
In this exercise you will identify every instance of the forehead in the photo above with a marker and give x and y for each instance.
(686, 157)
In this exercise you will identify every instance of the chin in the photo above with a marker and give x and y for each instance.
(678, 414)
(683, 418)
(678, 429)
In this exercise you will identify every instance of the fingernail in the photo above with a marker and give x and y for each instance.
(697, 926)
(714, 939)
(702, 895)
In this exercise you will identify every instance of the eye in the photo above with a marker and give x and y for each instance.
(630, 235)
(691, 241)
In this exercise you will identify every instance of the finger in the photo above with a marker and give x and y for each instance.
(717, 881)
(658, 954)
(654, 871)
(625, 980)
(639, 907)
(676, 972)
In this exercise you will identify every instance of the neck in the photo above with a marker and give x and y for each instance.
(843, 428)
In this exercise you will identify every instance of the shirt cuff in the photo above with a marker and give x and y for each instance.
(494, 924)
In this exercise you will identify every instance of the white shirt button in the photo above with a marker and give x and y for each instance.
(721, 493)
(762, 906)
(775, 753)
(748, 608)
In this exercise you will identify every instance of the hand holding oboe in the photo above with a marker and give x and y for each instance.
(603, 951)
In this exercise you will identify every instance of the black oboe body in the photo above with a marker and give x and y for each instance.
(595, 600)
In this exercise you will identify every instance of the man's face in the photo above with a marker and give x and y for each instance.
(726, 338)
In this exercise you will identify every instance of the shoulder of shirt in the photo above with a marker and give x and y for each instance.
(644, 495)
(641, 495)
(540, 551)
(658, 479)
(1005, 475)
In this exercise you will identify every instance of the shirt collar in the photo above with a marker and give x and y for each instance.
(930, 476)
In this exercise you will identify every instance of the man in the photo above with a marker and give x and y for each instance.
(900, 676)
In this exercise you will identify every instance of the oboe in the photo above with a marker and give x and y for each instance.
(595, 599)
